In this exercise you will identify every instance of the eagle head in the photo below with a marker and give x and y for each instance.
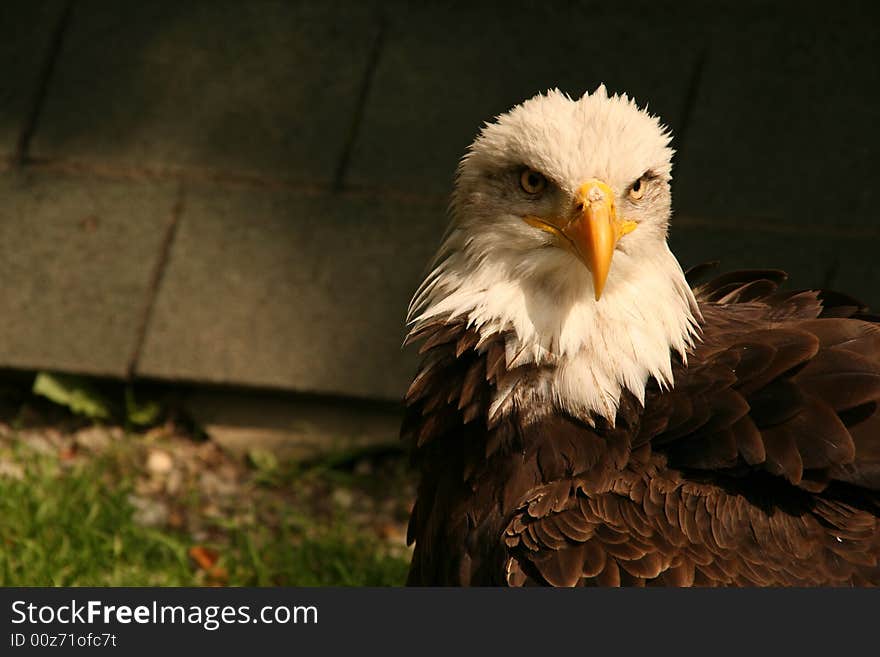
(557, 239)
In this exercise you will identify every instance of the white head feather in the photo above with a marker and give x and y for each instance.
(504, 275)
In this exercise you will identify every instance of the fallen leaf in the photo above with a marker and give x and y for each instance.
(176, 519)
(218, 576)
(204, 557)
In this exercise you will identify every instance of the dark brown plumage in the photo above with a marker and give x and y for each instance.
(760, 467)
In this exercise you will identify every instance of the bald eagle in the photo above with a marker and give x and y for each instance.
(587, 413)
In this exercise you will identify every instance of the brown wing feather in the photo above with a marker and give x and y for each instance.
(800, 377)
(761, 466)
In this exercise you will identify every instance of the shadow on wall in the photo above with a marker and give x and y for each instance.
(244, 87)
(303, 153)
(287, 90)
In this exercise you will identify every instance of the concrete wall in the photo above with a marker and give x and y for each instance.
(247, 192)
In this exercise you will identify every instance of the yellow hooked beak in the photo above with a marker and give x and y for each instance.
(592, 231)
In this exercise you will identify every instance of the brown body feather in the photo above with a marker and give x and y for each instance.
(760, 467)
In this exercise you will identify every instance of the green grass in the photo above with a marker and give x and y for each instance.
(66, 527)
(330, 557)
(72, 525)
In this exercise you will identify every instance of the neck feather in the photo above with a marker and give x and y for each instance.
(563, 348)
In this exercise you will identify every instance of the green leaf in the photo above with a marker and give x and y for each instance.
(141, 414)
(263, 460)
(265, 463)
(74, 392)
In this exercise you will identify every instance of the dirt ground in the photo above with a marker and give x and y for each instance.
(232, 513)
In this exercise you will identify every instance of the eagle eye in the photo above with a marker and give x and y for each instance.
(532, 182)
(637, 189)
